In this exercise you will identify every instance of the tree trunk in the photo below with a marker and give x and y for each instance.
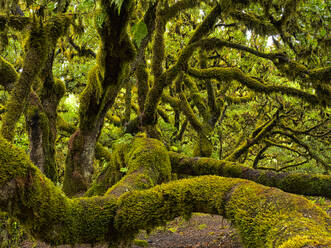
(79, 162)
(41, 118)
(104, 82)
(33, 62)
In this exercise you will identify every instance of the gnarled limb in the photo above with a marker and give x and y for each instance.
(228, 74)
(167, 77)
(34, 59)
(298, 183)
(260, 213)
(41, 39)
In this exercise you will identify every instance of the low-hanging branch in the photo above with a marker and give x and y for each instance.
(260, 213)
(297, 183)
(272, 143)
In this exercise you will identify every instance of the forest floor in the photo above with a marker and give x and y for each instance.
(200, 231)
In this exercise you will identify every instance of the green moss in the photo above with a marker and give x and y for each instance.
(15, 22)
(256, 23)
(8, 74)
(65, 126)
(203, 147)
(266, 217)
(197, 99)
(304, 241)
(261, 214)
(36, 51)
(142, 82)
(2, 109)
(59, 88)
(292, 69)
(299, 183)
(91, 95)
(207, 24)
(15, 165)
(140, 243)
(147, 164)
(41, 136)
(229, 74)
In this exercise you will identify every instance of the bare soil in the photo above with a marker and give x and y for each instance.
(200, 231)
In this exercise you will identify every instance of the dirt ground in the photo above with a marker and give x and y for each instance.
(201, 231)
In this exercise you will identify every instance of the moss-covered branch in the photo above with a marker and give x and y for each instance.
(228, 74)
(139, 63)
(255, 22)
(167, 77)
(197, 99)
(233, 99)
(115, 53)
(298, 183)
(260, 213)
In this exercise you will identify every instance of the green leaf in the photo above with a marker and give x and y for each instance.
(139, 32)
(124, 170)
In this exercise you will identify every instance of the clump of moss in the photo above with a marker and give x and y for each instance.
(8, 74)
(91, 96)
(147, 164)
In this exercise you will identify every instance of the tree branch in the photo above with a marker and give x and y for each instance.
(52, 217)
(228, 74)
(297, 183)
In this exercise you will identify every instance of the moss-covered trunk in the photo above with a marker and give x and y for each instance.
(79, 162)
(41, 116)
(265, 217)
(33, 62)
(104, 82)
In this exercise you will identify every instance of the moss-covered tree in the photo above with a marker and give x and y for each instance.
(241, 81)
